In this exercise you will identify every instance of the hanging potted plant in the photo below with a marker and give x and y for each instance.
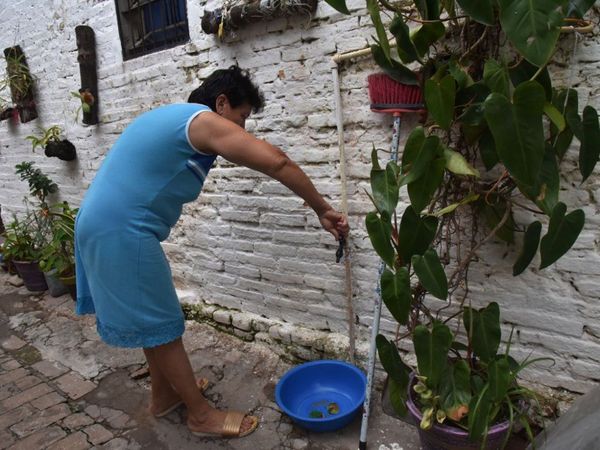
(20, 81)
(494, 143)
(50, 140)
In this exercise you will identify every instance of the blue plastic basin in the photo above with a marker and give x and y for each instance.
(334, 390)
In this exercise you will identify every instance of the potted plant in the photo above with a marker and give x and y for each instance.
(23, 240)
(50, 140)
(26, 237)
(57, 258)
(495, 143)
(40, 185)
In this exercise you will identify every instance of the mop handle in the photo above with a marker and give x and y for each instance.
(362, 445)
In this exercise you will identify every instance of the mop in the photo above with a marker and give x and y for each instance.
(388, 97)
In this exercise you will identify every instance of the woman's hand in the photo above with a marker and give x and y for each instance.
(334, 222)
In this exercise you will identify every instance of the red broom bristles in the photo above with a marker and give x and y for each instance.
(387, 93)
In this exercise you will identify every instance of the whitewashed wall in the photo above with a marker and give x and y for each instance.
(248, 244)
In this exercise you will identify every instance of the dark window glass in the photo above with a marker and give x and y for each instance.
(146, 26)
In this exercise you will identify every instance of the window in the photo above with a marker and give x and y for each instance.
(146, 26)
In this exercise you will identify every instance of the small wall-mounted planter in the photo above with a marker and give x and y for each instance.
(224, 20)
(21, 83)
(8, 113)
(86, 57)
(63, 150)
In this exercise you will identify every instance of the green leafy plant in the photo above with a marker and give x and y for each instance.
(45, 136)
(40, 185)
(496, 141)
(25, 238)
(18, 78)
(86, 99)
(58, 253)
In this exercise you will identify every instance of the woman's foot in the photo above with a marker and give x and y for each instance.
(168, 400)
(222, 423)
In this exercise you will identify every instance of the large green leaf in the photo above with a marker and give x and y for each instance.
(518, 130)
(426, 35)
(524, 71)
(405, 46)
(429, 9)
(487, 150)
(499, 379)
(548, 183)
(565, 100)
(590, 145)
(473, 94)
(431, 273)
(397, 371)
(568, 104)
(460, 74)
(431, 349)
(479, 412)
(384, 185)
(455, 389)
(494, 212)
(418, 157)
(382, 39)
(395, 292)
(563, 231)
(456, 163)
(380, 234)
(421, 190)
(398, 394)
(555, 116)
(412, 147)
(531, 241)
(393, 68)
(439, 98)
(483, 328)
(532, 26)
(338, 5)
(480, 10)
(495, 76)
(416, 233)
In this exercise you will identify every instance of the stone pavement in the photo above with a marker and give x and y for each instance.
(62, 388)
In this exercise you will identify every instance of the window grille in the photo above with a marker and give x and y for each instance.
(146, 26)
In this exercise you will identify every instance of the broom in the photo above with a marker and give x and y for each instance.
(387, 96)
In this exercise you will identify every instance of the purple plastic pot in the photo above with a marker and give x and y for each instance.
(32, 276)
(445, 437)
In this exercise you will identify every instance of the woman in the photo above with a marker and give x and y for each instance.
(158, 164)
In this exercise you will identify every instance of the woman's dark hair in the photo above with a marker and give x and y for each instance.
(235, 83)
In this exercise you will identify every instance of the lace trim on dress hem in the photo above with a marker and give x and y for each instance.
(144, 338)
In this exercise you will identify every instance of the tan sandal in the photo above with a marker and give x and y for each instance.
(202, 384)
(231, 426)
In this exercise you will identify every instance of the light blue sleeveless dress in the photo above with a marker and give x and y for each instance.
(135, 199)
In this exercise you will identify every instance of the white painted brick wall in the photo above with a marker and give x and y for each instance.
(248, 243)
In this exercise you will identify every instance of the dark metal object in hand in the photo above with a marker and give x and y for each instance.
(340, 251)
